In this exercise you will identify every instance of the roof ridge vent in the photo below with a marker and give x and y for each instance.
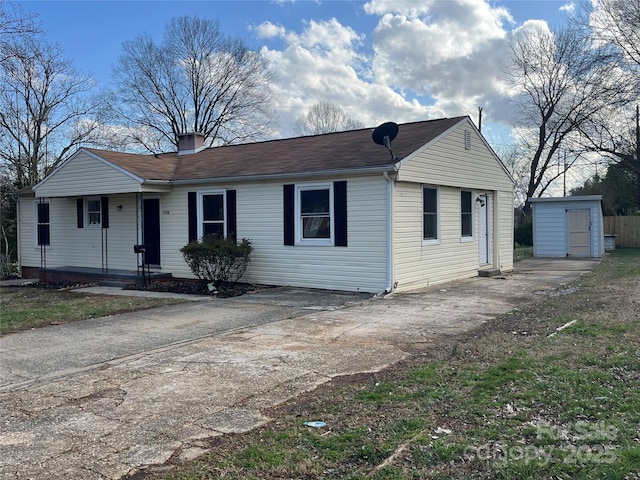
(189, 143)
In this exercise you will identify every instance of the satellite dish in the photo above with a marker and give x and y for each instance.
(384, 135)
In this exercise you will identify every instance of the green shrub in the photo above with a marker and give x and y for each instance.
(217, 260)
(524, 232)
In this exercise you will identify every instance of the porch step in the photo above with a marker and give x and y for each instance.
(489, 272)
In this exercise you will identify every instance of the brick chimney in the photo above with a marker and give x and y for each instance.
(189, 143)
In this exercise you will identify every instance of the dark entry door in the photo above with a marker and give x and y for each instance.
(151, 230)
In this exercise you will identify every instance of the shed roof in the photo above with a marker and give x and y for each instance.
(577, 198)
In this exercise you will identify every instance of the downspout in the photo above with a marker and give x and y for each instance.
(390, 285)
(18, 237)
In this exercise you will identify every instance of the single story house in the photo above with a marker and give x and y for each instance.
(333, 211)
(568, 226)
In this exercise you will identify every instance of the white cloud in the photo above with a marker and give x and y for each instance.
(423, 60)
(453, 51)
(569, 8)
(325, 62)
(269, 30)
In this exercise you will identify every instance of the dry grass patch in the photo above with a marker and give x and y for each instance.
(30, 307)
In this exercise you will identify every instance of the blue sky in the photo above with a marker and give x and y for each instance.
(401, 60)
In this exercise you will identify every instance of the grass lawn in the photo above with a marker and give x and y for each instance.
(29, 307)
(521, 397)
(521, 252)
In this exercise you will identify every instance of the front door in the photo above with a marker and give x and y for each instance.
(579, 241)
(484, 229)
(151, 230)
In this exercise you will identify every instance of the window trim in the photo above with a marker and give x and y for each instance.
(472, 213)
(200, 211)
(37, 223)
(437, 240)
(299, 239)
(87, 214)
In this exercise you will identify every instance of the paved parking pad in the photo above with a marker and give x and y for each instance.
(112, 417)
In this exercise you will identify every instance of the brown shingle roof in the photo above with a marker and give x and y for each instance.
(334, 151)
(147, 167)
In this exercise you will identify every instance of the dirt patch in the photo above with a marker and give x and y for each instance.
(60, 286)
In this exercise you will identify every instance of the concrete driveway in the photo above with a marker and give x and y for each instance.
(106, 397)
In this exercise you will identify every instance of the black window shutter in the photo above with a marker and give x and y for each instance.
(104, 209)
(193, 216)
(340, 213)
(289, 214)
(231, 215)
(80, 212)
(44, 237)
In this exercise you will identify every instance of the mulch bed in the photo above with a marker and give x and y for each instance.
(225, 290)
(190, 287)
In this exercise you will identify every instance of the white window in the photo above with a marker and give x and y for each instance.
(314, 217)
(93, 213)
(212, 213)
(430, 220)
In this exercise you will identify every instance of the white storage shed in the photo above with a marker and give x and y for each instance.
(568, 226)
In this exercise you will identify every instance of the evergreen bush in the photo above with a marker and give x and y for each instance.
(217, 260)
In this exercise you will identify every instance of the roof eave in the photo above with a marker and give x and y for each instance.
(290, 175)
(577, 198)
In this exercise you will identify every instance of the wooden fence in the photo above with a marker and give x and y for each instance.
(626, 229)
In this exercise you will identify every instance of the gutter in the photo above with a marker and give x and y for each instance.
(155, 182)
(390, 283)
(384, 169)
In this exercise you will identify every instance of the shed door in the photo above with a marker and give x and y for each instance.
(579, 233)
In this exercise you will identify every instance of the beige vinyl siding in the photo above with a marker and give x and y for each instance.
(446, 162)
(361, 266)
(28, 251)
(73, 246)
(503, 230)
(83, 174)
(417, 264)
(174, 231)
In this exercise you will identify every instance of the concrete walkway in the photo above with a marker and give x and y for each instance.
(67, 413)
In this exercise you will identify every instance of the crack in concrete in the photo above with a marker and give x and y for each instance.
(344, 332)
(104, 393)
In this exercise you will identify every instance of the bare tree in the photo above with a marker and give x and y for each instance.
(615, 131)
(13, 22)
(565, 79)
(515, 160)
(325, 117)
(196, 80)
(617, 22)
(46, 108)
(615, 134)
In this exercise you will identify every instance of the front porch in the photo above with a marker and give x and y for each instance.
(106, 277)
